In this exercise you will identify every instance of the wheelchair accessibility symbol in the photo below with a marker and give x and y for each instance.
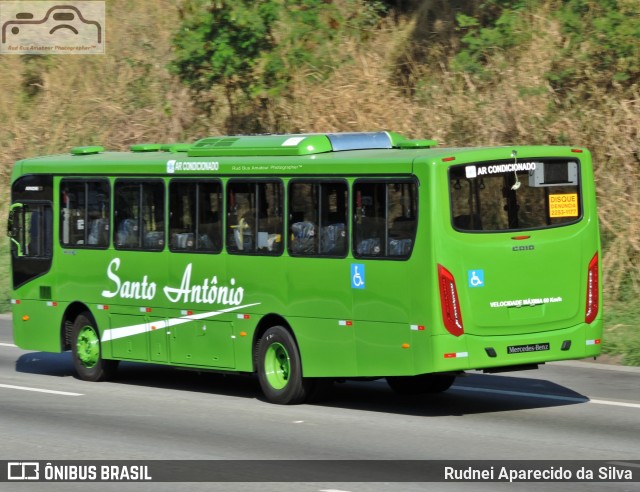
(476, 278)
(357, 276)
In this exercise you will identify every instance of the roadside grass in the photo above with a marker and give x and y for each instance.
(621, 333)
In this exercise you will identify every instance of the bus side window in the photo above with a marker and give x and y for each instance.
(254, 217)
(303, 219)
(385, 219)
(194, 216)
(139, 214)
(84, 209)
(317, 218)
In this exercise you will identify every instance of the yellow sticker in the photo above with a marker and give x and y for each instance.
(563, 205)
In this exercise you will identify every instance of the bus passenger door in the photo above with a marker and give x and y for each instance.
(30, 231)
(382, 302)
(383, 274)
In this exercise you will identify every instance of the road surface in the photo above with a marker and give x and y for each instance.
(563, 411)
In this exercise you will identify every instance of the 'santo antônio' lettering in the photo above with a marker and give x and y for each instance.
(206, 292)
(127, 289)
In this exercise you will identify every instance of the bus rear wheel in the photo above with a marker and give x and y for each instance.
(279, 368)
(423, 383)
(87, 351)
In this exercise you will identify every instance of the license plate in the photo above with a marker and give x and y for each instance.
(532, 347)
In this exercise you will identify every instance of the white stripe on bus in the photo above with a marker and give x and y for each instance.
(128, 331)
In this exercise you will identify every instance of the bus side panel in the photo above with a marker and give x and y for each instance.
(383, 349)
(318, 288)
(202, 343)
(134, 346)
(387, 290)
(198, 283)
(158, 343)
(327, 347)
(318, 310)
(243, 327)
(34, 323)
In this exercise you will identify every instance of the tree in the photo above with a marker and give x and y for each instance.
(221, 43)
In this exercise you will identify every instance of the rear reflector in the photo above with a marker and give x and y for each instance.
(593, 296)
(451, 315)
(456, 355)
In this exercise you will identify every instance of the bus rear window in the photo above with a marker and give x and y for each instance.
(507, 196)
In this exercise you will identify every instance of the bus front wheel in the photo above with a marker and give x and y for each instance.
(280, 369)
(87, 352)
(423, 383)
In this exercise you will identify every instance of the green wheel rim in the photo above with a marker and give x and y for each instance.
(88, 347)
(277, 366)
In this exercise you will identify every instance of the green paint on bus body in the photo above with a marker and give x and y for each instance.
(515, 293)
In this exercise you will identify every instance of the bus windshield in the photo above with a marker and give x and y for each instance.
(514, 196)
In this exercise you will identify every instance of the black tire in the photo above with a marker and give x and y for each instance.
(423, 383)
(87, 351)
(279, 368)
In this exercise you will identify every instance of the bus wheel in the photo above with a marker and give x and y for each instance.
(279, 368)
(423, 383)
(87, 353)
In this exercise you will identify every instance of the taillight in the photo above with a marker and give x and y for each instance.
(593, 297)
(451, 315)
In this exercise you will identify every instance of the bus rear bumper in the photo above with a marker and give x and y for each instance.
(468, 352)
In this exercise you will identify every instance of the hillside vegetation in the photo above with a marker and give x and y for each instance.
(463, 72)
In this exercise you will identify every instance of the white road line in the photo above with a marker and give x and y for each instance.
(548, 397)
(53, 392)
(8, 345)
(615, 403)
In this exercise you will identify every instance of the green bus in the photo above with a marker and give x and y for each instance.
(307, 258)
